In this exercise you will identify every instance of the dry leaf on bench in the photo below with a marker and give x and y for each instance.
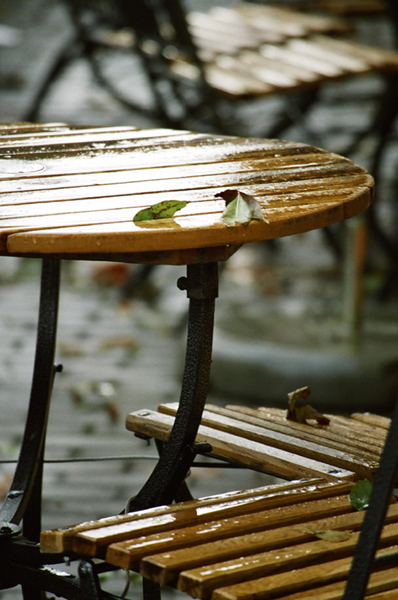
(302, 414)
(330, 535)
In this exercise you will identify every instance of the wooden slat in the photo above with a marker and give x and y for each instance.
(188, 184)
(256, 455)
(373, 420)
(291, 561)
(334, 436)
(289, 20)
(95, 542)
(363, 463)
(346, 427)
(219, 539)
(203, 556)
(306, 578)
(127, 173)
(267, 497)
(299, 45)
(344, 7)
(382, 585)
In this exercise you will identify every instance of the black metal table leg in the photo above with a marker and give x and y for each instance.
(178, 453)
(29, 463)
(23, 500)
(364, 558)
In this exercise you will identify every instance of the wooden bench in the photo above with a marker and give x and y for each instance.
(233, 53)
(276, 50)
(346, 8)
(263, 439)
(292, 540)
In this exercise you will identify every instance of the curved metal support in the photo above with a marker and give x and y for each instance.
(385, 479)
(27, 475)
(37, 578)
(178, 453)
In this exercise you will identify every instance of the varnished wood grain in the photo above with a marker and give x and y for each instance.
(253, 454)
(291, 561)
(74, 191)
(165, 568)
(222, 539)
(255, 50)
(219, 506)
(306, 578)
(297, 440)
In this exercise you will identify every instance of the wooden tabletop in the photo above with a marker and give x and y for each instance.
(73, 192)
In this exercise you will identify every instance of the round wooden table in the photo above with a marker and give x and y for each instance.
(72, 193)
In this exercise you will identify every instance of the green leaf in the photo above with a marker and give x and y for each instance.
(240, 208)
(360, 494)
(161, 210)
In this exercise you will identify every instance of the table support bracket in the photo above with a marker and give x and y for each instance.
(201, 285)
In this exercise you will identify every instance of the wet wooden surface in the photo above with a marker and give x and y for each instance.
(95, 536)
(263, 439)
(267, 544)
(251, 49)
(74, 191)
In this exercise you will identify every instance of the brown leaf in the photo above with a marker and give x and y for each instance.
(5, 482)
(227, 195)
(126, 342)
(302, 414)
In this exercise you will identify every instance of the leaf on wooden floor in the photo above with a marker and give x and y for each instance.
(240, 208)
(160, 210)
(70, 349)
(330, 535)
(5, 482)
(125, 342)
(303, 414)
(360, 494)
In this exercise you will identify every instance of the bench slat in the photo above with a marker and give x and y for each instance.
(384, 582)
(307, 578)
(255, 455)
(364, 465)
(60, 540)
(348, 430)
(94, 543)
(128, 553)
(201, 582)
(333, 436)
(165, 568)
(311, 23)
(373, 420)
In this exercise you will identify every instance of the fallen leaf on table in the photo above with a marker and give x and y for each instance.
(240, 208)
(360, 494)
(302, 414)
(160, 210)
(330, 535)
